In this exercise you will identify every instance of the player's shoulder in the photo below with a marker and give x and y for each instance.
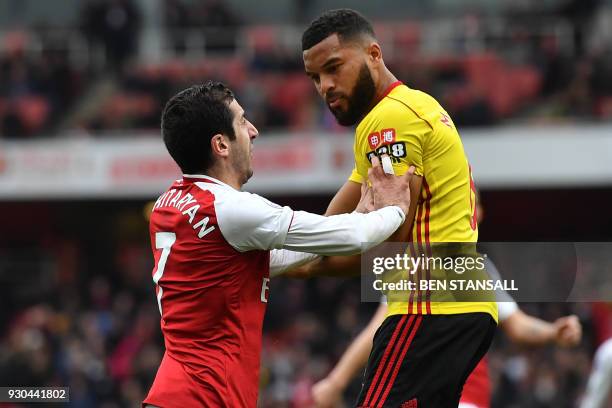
(404, 105)
(235, 198)
(236, 205)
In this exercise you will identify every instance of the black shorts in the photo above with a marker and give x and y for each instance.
(422, 361)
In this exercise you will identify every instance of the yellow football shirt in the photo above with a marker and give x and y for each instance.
(413, 129)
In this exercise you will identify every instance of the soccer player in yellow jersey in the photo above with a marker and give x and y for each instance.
(425, 349)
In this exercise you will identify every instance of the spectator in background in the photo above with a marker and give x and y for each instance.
(556, 67)
(23, 112)
(176, 19)
(91, 23)
(220, 24)
(302, 10)
(15, 86)
(56, 81)
(581, 14)
(115, 25)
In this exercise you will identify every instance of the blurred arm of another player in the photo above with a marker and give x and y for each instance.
(327, 393)
(528, 330)
(350, 198)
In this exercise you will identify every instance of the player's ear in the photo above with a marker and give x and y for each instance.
(374, 52)
(219, 145)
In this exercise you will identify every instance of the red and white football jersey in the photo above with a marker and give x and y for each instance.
(213, 247)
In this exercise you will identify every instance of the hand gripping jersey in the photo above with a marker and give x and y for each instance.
(214, 248)
(413, 129)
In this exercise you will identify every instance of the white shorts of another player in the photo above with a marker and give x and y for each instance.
(467, 405)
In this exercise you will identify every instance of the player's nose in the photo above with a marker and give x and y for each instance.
(327, 85)
(253, 132)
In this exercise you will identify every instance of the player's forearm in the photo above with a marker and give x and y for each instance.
(334, 266)
(346, 199)
(528, 330)
(356, 356)
(344, 234)
(352, 361)
(403, 233)
(282, 260)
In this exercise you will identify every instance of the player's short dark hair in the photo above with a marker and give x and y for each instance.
(189, 121)
(348, 24)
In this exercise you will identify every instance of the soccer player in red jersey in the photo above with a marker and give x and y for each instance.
(215, 248)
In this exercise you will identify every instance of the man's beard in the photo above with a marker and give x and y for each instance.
(249, 174)
(359, 100)
(241, 163)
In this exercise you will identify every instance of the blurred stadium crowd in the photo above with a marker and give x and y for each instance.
(88, 317)
(530, 61)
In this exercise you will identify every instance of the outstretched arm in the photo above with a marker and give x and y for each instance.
(529, 330)
(354, 233)
(346, 200)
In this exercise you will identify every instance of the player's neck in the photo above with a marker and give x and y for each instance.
(382, 88)
(226, 176)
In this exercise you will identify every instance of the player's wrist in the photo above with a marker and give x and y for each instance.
(401, 210)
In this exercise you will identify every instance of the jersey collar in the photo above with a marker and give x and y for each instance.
(390, 88)
(387, 92)
(192, 178)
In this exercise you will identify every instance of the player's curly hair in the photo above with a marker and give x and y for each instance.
(191, 118)
(347, 23)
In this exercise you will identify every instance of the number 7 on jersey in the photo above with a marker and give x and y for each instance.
(163, 241)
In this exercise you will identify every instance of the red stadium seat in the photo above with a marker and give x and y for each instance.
(292, 96)
(262, 38)
(33, 111)
(527, 81)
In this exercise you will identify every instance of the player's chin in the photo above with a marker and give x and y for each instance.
(249, 174)
(344, 118)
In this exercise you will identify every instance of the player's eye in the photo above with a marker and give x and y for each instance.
(333, 69)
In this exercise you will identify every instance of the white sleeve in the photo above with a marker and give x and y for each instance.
(506, 305)
(506, 309)
(343, 234)
(281, 260)
(249, 222)
(600, 380)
